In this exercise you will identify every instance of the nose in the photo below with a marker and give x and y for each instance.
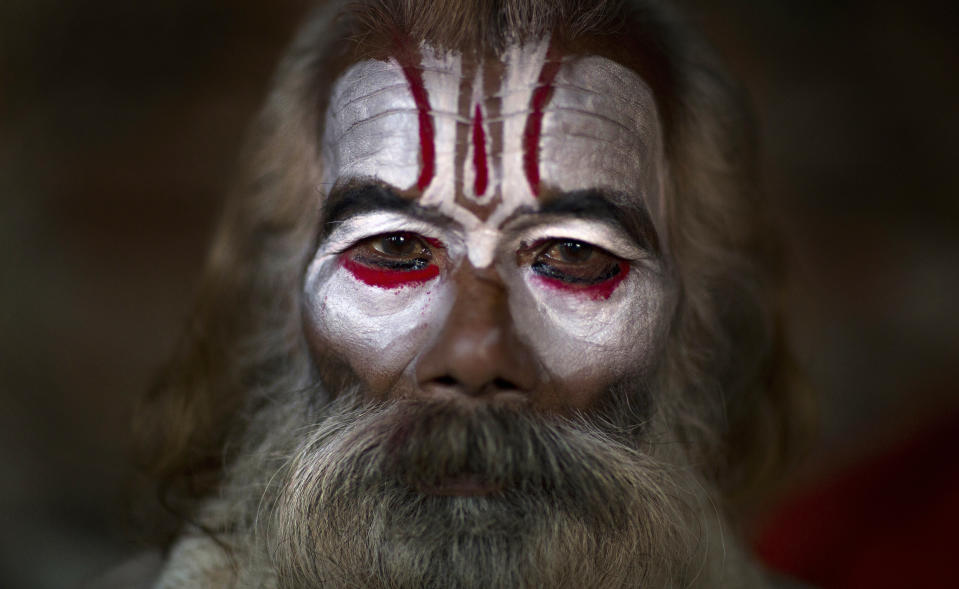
(478, 353)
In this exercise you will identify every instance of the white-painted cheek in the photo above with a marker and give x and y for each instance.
(388, 325)
(574, 334)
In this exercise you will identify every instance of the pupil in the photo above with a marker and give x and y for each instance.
(397, 245)
(574, 251)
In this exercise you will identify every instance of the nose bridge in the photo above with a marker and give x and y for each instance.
(477, 352)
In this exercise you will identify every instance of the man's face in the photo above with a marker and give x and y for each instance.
(494, 230)
(487, 304)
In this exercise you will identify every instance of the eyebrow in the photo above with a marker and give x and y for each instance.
(357, 199)
(599, 205)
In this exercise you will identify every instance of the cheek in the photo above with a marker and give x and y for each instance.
(377, 321)
(598, 334)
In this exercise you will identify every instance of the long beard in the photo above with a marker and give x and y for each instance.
(355, 501)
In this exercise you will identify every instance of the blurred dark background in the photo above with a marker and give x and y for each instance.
(120, 124)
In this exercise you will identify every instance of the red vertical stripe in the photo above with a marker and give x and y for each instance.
(414, 78)
(534, 123)
(479, 153)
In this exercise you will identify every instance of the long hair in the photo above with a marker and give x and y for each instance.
(736, 409)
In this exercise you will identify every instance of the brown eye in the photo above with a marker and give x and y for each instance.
(571, 252)
(575, 262)
(394, 251)
(399, 245)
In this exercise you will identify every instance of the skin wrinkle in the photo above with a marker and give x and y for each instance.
(592, 115)
(373, 119)
(398, 165)
(598, 139)
(374, 94)
(627, 100)
(400, 111)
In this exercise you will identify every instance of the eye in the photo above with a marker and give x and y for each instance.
(393, 260)
(570, 252)
(399, 245)
(575, 262)
(393, 251)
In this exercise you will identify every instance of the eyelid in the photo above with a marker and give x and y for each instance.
(595, 233)
(356, 229)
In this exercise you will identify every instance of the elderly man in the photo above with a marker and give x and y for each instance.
(492, 309)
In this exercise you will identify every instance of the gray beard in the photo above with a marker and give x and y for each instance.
(344, 499)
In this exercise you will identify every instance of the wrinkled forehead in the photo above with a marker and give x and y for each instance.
(490, 136)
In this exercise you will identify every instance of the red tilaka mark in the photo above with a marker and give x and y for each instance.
(534, 123)
(414, 77)
(603, 290)
(384, 278)
(479, 153)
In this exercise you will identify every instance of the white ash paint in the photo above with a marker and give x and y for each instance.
(600, 130)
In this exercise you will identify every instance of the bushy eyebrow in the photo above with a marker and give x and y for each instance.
(597, 205)
(359, 198)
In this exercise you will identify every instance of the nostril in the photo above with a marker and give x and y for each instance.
(496, 385)
(446, 381)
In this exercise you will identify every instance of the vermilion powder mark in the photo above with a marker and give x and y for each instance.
(414, 77)
(479, 153)
(534, 123)
(384, 278)
(603, 290)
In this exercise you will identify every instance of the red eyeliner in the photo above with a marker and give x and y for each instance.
(385, 278)
(602, 290)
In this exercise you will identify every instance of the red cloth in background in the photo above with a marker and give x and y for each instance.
(892, 521)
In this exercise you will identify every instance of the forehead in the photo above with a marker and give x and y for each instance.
(490, 136)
